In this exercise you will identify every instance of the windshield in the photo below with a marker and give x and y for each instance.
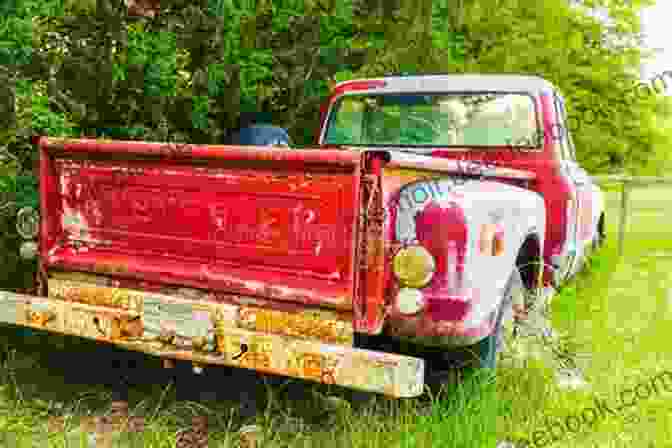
(436, 120)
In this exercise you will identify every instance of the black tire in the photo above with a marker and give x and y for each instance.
(600, 236)
(482, 355)
(443, 366)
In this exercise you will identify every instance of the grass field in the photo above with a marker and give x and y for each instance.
(614, 322)
(616, 319)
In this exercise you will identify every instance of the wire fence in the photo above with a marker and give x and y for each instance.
(625, 208)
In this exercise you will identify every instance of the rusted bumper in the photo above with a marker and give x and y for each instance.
(216, 333)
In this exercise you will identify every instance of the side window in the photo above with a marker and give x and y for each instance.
(558, 129)
(566, 137)
(346, 122)
(562, 131)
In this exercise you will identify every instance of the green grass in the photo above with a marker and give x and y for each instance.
(291, 413)
(614, 319)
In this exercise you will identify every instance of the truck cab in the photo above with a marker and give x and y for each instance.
(508, 121)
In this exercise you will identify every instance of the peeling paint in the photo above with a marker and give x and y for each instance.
(370, 297)
(426, 331)
(95, 295)
(189, 324)
(307, 324)
(390, 374)
(112, 219)
(359, 369)
(185, 304)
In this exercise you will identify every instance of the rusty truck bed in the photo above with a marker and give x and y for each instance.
(239, 256)
(280, 230)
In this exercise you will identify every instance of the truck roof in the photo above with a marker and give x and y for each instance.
(455, 83)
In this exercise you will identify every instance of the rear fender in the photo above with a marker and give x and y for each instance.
(448, 217)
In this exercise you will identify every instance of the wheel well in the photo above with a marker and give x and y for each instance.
(528, 261)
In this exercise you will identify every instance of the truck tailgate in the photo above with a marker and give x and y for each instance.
(275, 223)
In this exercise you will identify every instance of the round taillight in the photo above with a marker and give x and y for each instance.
(414, 266)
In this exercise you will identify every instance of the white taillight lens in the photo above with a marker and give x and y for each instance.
(410, 301)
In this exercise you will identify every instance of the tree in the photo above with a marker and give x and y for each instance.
(185, 74)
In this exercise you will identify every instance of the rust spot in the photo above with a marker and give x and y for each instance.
(167, 336)
(81, 277)
(130, 327)
(266, 316)
(256, 360)
(110, 268)
(92, 294)
(312, 366)
(369, 299)
(40, 318)
(305, 325)
(199, 343)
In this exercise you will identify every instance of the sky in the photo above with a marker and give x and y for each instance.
(656, 27)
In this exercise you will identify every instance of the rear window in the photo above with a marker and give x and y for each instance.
(436, 120)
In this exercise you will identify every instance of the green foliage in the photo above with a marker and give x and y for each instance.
(157, 53)
(86, 68)
(16, 27)
(200, 112)
(44, 121)
(16, 273)
(275, 56)
(22, 189)
(26, 192)
(589, 62)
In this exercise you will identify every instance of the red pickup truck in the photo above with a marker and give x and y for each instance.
(318, 263)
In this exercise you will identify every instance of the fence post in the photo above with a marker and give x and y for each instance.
(625, 193)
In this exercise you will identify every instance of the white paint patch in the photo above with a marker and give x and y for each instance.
(414, 197)
(254, 286)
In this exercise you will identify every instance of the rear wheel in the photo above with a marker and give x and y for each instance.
(443, 367)
(485, 353)
(449, 366)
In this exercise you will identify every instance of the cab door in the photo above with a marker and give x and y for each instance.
(568, 252)
(579, 221)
